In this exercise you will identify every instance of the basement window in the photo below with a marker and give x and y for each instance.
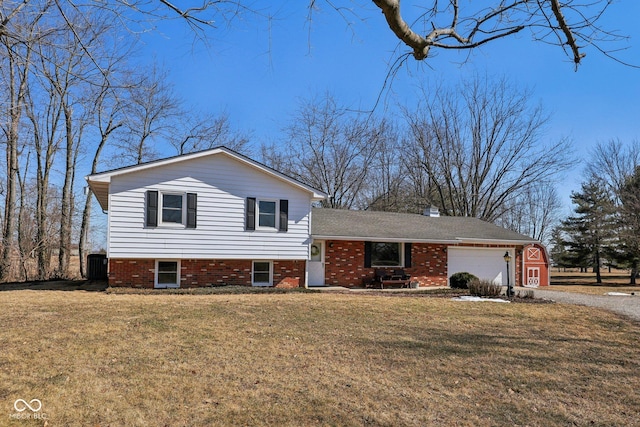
(262, 274)
(167, 274)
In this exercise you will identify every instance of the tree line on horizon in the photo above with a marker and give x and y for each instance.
(74, 102)
(604, 229)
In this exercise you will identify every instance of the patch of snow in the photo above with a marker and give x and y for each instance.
(475, 299)
(618, 294)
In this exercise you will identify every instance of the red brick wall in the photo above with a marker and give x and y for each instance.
(344, 264)
(140, 273)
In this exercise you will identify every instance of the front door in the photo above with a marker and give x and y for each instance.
(316, 264)
(533, 277)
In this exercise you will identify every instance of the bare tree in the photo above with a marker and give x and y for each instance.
(612, 162)
(151, 110)
(107, 118)
(480, 147)
(615, 167)
(432, 25)
(16, 57)
(455, 24)
(534, 212)
(386, 190)
(194, 132)
(329, 149)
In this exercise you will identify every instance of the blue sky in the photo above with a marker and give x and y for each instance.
(257, 70)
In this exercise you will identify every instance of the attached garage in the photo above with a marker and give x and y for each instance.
(485, 263)
(430, 248)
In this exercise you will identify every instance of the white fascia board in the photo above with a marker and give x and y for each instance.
(383, 239)
(496, 241)
(106, 176)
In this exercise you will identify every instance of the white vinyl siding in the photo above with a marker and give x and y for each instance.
(222, 185)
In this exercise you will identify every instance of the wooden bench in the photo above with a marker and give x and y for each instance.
(396, 277)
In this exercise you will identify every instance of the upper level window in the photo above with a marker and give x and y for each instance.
(172, 208)
(267, 214)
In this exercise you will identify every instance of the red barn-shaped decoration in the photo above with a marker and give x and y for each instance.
(536, 266)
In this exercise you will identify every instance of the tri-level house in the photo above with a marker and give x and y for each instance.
(216, 217)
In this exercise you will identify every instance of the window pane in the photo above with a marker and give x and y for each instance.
(172, 201)
(167, 266)
(168, 278)
(172, 208)
(261, 277)
(267, 216)
(261, 272)
(385, 254)
(167, 272)
(169, 215)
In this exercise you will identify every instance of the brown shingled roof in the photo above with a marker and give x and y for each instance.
(372, 225)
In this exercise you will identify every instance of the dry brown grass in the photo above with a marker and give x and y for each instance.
(585, 283)
(97, 359)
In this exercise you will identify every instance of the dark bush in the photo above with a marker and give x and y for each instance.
(484, 288)
(461, 280)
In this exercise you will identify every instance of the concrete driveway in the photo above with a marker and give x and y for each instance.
(625, 305)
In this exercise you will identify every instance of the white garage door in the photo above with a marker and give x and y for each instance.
(485, 263)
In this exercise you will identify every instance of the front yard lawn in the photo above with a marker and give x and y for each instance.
(301, 359)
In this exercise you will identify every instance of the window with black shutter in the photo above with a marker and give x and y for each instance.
(192, 210)
(250, 214)
(170, 209)
(284, 215)
(152, 209)
(387, 254)
(265, 214)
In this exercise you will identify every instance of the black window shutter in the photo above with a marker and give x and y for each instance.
(152, 209)
(367, 254)
(407, 255)
(192, 210)
(250, 219)
(284, 215)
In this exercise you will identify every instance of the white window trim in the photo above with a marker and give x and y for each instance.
(183, 222)
(178, 275)
(389, 266)
(262, 284)
(277, 215)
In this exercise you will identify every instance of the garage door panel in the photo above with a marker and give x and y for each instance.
(482, 262)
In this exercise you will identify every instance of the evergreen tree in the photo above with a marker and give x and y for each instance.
(559, 252)
(591, 230)
(628, 251)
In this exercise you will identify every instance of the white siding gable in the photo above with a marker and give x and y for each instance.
(222, 184)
